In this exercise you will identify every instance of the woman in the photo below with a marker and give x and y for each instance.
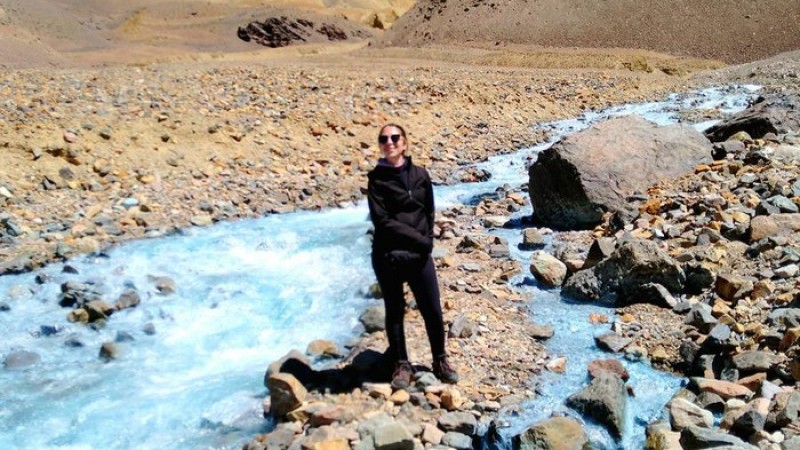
(401, 208)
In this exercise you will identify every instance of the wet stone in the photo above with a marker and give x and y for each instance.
(74, 342)
(374, 319)
(21, 359)
(612, 342)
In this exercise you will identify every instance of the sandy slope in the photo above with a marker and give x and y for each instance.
(728, 30)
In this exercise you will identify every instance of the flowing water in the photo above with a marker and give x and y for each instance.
(192, 363)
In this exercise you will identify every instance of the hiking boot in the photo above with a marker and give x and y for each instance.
(401, 378)
(444, 371)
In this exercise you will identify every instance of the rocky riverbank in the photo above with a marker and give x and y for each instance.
(92, 158)
(95, 158)
(705, 275)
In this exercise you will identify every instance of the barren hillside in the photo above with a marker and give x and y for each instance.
(63, 33)
(729, 30)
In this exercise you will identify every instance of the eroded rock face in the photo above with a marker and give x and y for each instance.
(282, 31)
(585, 175)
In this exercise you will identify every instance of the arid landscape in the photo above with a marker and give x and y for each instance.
(122, 120)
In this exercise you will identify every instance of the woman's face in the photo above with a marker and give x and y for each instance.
(392, 143)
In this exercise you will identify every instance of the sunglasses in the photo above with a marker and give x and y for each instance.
(384, 139)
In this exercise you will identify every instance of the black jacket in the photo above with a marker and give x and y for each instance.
(401, 208)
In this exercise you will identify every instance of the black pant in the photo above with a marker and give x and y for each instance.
(421, 278)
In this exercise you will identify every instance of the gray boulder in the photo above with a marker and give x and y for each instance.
(626, 276)
(604, 400)
(580, 178)
(776, 114)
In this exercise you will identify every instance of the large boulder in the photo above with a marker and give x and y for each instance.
(580, 178)
(627, 274)
(776, 114)
(604, 400)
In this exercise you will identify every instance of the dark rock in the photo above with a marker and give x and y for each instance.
(294, 363)
(74, 342)
(634, 264)
(50, 330)
(721, 150)
(753, 361)
(604, 400)
(460, 422)
(656, 294)
(711, 402)
(149, 329)
(777, 114)
(700, 317)
(698, 278)
(748, 423)
(585, 175)
(600, 249)
(718, 338)
(282, 31)
(689, 351)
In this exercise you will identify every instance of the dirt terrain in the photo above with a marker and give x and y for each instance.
(128, 119)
